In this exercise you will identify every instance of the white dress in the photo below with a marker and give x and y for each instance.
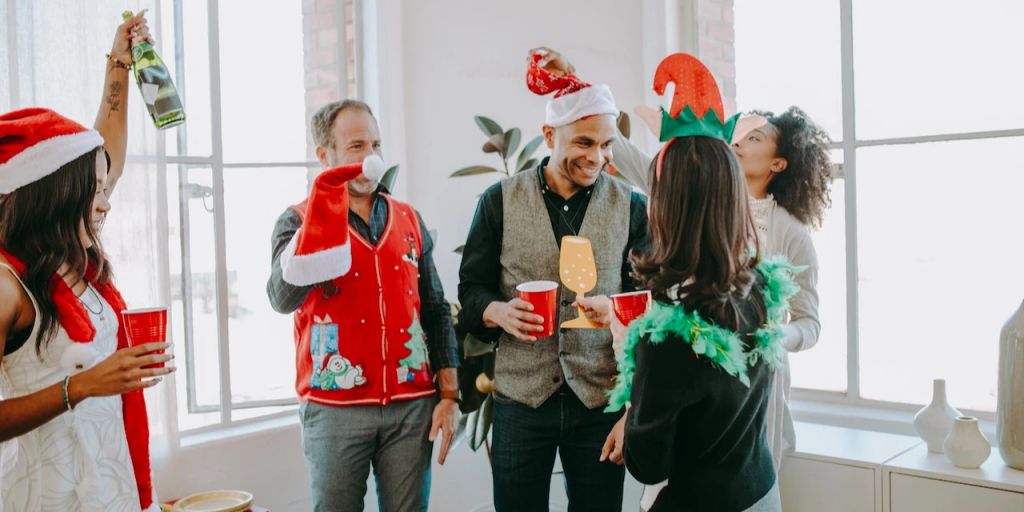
(79, 461)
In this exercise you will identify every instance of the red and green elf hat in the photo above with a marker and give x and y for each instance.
(696, 103)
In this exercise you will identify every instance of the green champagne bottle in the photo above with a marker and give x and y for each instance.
(155, 83)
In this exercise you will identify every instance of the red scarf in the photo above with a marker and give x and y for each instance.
(75, 321)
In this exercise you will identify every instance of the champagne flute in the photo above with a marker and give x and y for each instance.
(578, 272)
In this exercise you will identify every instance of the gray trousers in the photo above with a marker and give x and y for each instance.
(341, 444)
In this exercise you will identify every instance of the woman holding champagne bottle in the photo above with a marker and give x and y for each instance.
(73, 417)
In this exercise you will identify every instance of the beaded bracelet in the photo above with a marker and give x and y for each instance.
(64, 389)
(118, 62)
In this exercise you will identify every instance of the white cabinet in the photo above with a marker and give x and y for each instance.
(915, 494)
(837, 469)
(810, 485)
(919, 481)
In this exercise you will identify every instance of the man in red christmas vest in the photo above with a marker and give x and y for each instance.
(372, 327)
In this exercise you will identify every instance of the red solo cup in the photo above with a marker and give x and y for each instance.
(147, 325)
(630, 306)
(544, 297)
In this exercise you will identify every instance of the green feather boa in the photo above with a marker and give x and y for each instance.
(722, 346)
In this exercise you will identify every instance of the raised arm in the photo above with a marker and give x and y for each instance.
(112, 117)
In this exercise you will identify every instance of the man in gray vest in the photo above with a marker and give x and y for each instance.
(551, 391)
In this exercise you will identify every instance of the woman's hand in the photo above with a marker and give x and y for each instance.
(133, 28)
(121, 372)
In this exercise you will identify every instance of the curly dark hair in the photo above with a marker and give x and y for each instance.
(803, 188)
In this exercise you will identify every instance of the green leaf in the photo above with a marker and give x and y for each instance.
(511, 142)
(496, 144)
(527, 165)
(483, 423)
(623, 123)
(473, 347)
(433, 235)
(473, 170)
(528, 150)
(459, 249)
(488, 126)
(389, 178)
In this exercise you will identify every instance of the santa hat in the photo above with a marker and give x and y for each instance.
(574, 99)
(320, 249)
(36, 142)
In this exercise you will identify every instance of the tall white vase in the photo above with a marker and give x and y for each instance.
(966, 447)
(934, 422)
(1010, 404)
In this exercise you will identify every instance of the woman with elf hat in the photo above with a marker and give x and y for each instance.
(786, 164)
(73, 415)
(697, 370)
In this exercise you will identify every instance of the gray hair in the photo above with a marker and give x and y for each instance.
(323, 119)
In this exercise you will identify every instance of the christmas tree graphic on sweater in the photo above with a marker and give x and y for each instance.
(414, 368)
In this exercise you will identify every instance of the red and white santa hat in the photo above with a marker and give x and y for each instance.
(574, 99)
(320, 250)
(36, 142)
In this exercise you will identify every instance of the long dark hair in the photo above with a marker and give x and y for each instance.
(803, 188)
(39, 224)
(701, 229)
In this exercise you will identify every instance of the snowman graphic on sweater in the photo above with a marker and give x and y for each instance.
(331, 370)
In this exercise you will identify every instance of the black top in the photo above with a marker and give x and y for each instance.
(480, 273)
(699, 427)
(435, 313)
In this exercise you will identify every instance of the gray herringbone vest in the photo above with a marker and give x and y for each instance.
(531, 372)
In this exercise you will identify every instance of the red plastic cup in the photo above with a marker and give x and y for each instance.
(147, 325)
(630, 306)
(544, 297)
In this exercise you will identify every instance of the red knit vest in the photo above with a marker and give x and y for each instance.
(364, 344)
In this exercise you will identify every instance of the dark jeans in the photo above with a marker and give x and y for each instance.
(525, 443)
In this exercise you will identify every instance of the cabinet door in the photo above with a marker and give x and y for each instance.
(813, 486)
(915, 494)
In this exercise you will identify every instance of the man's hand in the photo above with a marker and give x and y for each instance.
(515, 318)
(613, 444)
(597, 308)
(446, 420)
(553, 62)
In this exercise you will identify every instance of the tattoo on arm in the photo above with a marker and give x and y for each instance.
(114, 98)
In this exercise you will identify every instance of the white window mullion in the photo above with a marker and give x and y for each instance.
(850, 187)
(217, 146)
(12, 53)
(342, 48)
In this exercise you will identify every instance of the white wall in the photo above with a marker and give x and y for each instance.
(467, 57)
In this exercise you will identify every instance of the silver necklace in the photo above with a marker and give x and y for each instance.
(95, 295)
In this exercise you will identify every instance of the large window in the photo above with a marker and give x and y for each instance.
(918, 254)
(245, 69)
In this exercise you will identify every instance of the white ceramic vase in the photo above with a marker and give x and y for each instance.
(966, 447)
(1010, 408)
(934, 422)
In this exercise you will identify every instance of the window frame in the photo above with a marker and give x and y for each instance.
(817, 403)
(215, 162)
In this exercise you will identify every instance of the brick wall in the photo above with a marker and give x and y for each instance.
(716, 48)
(322, 54)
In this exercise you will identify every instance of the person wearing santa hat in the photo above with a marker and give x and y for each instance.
(73, 414)
(551, 391)
(372, 327)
